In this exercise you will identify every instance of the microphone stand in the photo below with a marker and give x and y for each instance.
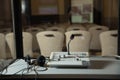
(69, 46)
(71, 38)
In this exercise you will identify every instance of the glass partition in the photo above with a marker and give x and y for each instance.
(6, 29)
(102, 14)
(22, 20)
(39, 15)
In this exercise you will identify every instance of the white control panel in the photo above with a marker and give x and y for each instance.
(75, 59)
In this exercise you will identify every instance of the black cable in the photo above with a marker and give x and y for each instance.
(23, 70)
(36, 76)
(45, 69)
(29, 69)
(5, 68)
(36, 71)
(19, 71)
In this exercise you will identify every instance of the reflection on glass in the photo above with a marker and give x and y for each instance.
(39, 16)
(96, 16)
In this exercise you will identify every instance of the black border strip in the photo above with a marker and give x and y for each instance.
(119, 31)
(17, 27)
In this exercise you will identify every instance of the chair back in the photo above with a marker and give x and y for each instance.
(2, 46)
(109, 42)
(55, 28)
(95, 40)
(75, 28)
(27, 44)
(34, 31)
(50, 41)
(81, 41)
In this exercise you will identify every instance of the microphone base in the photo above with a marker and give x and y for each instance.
(68, 53)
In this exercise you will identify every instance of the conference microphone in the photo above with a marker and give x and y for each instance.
(71, 38)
